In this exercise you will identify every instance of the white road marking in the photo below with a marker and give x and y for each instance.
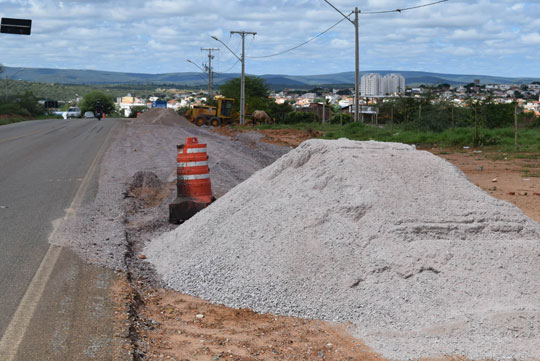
(14, 334)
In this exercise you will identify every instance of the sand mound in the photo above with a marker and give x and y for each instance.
(164, 117)
(395, 240)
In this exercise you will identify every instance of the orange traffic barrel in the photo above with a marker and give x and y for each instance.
(193, 186)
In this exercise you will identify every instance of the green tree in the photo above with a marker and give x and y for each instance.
(497, 115)
(256, 92)
(91, 99)
(29, 102)
(279, 111)
(135, 110)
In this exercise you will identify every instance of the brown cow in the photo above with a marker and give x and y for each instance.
(260, 116)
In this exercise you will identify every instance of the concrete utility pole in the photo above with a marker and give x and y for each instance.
(242, 59)
(210, 71)
(357, 60)
(243, 81)
(357, 46)
(357, 68)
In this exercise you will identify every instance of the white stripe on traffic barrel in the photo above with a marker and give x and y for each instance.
(196, 150)
(193, 177)
(192, 164)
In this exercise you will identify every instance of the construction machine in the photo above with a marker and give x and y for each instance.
(210, 115)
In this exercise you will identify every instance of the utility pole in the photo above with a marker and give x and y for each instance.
(210, 71)
(516, 125)
(357, 67)
(357, 46)
(357, 59)
(243, 81)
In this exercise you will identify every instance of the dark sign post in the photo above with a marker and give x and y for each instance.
(16, 26)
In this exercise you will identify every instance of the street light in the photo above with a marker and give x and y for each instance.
(243, 79)
(201, 69)
(6, 82)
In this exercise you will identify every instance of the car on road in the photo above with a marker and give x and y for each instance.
(89, 115)
(72, 112)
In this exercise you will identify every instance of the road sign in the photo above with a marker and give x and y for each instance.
(16, 26)
(159, 104)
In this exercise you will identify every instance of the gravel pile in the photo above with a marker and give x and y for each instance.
(139, 164)
(395, 240)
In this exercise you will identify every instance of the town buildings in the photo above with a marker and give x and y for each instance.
(377, 85)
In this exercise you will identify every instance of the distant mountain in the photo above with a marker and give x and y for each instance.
(276, 81)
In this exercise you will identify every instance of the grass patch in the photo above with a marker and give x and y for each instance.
(532, 165)
(527, 156)
(530, 174)
(497, 144)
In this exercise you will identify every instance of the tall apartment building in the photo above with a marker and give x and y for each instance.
(375, 85)
(393, 83)
(371, 85)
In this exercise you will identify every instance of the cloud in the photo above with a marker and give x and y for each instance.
(531, 38)
(158, 35)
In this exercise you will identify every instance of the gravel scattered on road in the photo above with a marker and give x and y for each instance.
(395, 240)
(98, 231)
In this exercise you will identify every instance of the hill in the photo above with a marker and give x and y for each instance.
(276, 81)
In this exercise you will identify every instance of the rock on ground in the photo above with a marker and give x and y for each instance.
(395, 240)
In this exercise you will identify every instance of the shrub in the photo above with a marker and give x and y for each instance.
(336, 119)
(12, 108)
(135, 110)
(91, 99)
(300, 117)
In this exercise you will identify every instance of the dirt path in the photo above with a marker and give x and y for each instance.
(510, 178)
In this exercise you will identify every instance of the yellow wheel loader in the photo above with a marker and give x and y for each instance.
(209, 115)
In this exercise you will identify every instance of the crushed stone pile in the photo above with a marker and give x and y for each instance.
(396, 241)
(164, 117)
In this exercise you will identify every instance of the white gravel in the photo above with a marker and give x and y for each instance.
(97, 232)
(395, 240)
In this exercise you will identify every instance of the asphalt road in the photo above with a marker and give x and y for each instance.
(43, 165)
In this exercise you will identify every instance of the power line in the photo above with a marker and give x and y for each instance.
(346, 18)
(401, 10)
(237, 61)
(296, 47)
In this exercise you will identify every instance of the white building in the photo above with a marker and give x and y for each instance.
(371, 85)
(375, 85)
(393, 83)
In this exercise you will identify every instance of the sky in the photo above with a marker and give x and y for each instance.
(485, 37)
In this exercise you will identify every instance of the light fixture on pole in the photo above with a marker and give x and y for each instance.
(201, 69)
(243, 79)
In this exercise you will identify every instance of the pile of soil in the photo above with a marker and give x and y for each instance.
(395, 240)
(148, 188)
(164, 117)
